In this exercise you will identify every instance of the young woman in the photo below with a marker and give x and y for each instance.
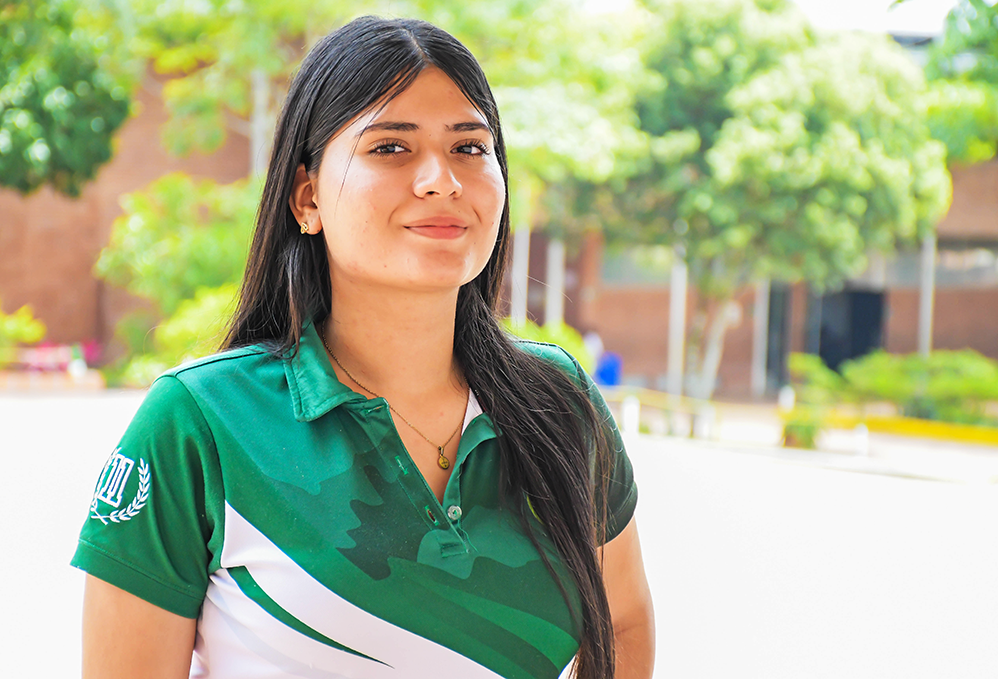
(372, 480)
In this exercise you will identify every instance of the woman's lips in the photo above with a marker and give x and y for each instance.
(444, 232)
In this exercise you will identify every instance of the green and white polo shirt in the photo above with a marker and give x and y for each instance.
(281, 508)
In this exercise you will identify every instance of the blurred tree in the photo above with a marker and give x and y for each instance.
(565, 81)
(60, 103)
(776, 154)
(565, 88)
(964, 116)
(227, 64)
(969, 45)
(179, 235)
(19, 327)
(963, 69)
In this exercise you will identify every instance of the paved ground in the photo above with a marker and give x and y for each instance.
(763, 562)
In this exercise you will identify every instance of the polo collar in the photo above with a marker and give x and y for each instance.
(315, 389)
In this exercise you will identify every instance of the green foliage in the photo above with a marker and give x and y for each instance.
(818, 388)
(778, 152)
(963, 107)
(817, 384)
(968, 49)
(59, 104)
(565, 82)
(211, 51)
(802, 425)
(565, 336)
(19, 327)
(565, 87)
(181, 245)
(195, 330)
(180, 235)
(964, 116)
(951, 386)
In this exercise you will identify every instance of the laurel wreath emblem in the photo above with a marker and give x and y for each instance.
(133, 508)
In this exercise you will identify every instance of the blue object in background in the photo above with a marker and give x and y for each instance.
(608, 367)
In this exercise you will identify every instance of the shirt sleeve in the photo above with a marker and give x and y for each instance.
(621, 491)
(148, 530)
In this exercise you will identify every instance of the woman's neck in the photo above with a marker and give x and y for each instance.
(398, 343)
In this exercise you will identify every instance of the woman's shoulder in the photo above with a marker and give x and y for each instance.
(220, 363)
(226, 369)
(553, 354)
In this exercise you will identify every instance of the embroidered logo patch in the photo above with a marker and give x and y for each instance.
(111, 486)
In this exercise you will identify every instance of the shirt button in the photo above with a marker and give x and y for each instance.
(454, 512)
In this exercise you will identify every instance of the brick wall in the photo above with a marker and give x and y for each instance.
(973, 214)
(48, 242)
(634, 322)
(962, 319)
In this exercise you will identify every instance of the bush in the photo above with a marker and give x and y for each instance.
(950, 386)
(19, 327)
(817, 387)
(802, 425)
(195, 330)
(816, 383)
(565, 336)
(181, 245)
(178, 236)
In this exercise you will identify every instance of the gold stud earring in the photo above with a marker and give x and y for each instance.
(304, 228)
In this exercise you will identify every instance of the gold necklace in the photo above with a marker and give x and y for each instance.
(442, 460)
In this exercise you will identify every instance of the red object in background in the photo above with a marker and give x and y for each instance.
(92, 351)
(45, 357)
(50, 357)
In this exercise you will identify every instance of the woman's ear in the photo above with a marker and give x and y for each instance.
(304, 203)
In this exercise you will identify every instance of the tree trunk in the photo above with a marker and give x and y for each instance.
(554, 300)
(519, 276)
(926, 295)
(677, 322)
(729, 315)
(760, 337)
(519, 271)
(261, 123)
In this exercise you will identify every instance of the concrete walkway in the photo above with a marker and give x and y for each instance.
(764, 562)
(776, 565)
(758, 428)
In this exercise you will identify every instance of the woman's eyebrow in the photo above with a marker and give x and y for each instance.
(398, 126)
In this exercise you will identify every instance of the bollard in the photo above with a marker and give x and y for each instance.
(787, 398)
(631, 415)
(862, 440)
(703, 422)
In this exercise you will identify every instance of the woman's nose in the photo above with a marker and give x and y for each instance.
(434, 176)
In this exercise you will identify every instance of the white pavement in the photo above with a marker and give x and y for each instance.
(767, 566)
(764, 563)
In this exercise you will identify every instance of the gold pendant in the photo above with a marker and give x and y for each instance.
(442, 461)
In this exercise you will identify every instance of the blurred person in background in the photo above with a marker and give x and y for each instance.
(372, 479)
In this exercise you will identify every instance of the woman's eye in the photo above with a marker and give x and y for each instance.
(390, 148)
(472, 148)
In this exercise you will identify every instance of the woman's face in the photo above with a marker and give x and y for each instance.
(410, 195)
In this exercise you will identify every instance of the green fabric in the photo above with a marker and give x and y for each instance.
(162, 551)
(321, 472)
(249, 586)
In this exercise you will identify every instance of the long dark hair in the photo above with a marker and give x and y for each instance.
(553, 443)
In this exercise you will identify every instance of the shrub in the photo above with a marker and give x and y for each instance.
(195, 330)
(565, 336)
(20, 327)
(950, 386)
